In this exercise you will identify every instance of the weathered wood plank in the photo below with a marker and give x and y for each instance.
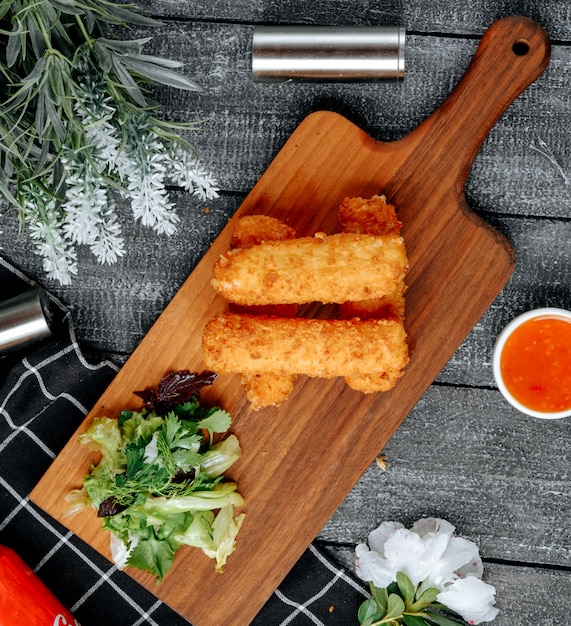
(524, 595)
(524, 166)
(421, 15)
(465, 455)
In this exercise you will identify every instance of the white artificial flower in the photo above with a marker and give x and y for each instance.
(44, 221)
(184, 169)
(471, 598)
(400, 550)
(108, 244)
(460, 558)
(431, 556)
(142, 164)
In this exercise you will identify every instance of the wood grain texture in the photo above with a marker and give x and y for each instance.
(424, 15)
(458, 265)
(507, 494)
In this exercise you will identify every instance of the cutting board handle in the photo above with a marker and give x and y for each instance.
(513, 52)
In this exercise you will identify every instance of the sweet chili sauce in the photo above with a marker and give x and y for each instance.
(536, 364)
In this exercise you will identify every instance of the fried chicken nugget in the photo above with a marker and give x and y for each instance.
(264, 388)
(373, 216)
(323, 268)
(233, 343)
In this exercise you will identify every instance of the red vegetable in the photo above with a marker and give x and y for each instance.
(24, 599)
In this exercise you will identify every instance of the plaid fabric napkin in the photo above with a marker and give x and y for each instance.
(45, 392)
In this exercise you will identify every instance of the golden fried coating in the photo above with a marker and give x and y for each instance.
(252, 230)
(373, 216)
(264, 388)
(390, 306)
(334, 268)
(234, 343)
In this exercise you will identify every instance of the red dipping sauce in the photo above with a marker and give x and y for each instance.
(535, 363)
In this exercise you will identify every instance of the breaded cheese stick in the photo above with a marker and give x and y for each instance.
(373, 216)
(234, 343)
(264, 388)
(323, 268)
(252, 230)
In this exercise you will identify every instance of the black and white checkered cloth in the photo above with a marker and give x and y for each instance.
(45, 392)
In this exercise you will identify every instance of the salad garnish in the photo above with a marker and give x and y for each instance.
(159, 483)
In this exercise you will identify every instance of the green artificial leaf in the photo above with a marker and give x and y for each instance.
(125, 16)
(36, 37)
(441, 620)
(14, 46)
(425, 599)
(406, 588)
(414, 620)
(368, 613)
(159, 74)
(381, 597)
(7, 194)
(152, 555)
(395, 606)
(173, 64)
(104, 57)
(130, 46)
(128, 82)
(4, 8)
(69, 7)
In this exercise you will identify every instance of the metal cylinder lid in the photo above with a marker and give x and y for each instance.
(24, 320)
(328, 53)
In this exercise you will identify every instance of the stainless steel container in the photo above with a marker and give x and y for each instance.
(24, 320)
(323, 53)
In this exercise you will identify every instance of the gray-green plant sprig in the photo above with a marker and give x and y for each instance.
(77, 128)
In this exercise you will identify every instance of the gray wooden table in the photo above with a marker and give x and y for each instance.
(463, 454)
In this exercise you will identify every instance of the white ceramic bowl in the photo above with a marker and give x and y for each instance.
(500, 343)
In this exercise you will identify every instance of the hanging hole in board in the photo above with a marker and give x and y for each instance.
(520, 47)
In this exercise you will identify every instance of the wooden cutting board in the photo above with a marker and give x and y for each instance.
(300, 460)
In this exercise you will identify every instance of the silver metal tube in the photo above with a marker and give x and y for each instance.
(24, 319)
(324, 53)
